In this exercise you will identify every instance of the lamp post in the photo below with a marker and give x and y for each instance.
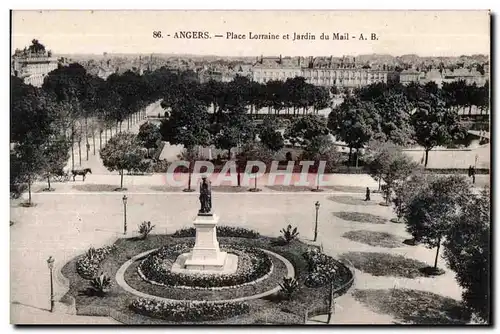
(316, 221)
(124, 214)
(50, 264)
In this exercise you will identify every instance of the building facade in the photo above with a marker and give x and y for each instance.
(320, 72)
(33, 68)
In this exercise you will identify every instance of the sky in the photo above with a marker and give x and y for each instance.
(425, 33)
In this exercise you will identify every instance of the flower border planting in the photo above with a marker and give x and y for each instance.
(323, 268)
(188, 311)
(222, 232)
(153, 270)
(88, 265)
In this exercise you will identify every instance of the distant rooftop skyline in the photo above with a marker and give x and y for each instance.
(423, 33)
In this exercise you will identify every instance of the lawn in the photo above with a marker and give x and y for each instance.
(414, 306)
(229, 189)
(166, 189)
(385, 264)
(360, 217)
(352, 200)
(290, 188)
(95, 187)
(376, 239)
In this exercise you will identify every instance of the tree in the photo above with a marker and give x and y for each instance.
(234, 130)
(302, 130)
(191, 155)
(27, 162)
(321, 148)
(188, 124)
(467, 250)
(405, 191)
(436, 125)
(31, 112)
(56, 155)
(149, 135)
(434, 208)
(354, 122)
(270, 136)
(254, 151)
(391, 165)
(122, 152)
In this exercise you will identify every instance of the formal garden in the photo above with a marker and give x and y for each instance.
(278, 280)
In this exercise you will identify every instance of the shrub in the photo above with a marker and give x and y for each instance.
(324, 269)
(289, 234)
(289, 286)
(88, 265)
(153, 268)
(188, 311)
(145, 228)
(222, 231)
(101, 284)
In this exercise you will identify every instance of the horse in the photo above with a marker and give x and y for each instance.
(82, 172)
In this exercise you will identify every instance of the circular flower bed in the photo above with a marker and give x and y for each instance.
(252, 265)
(160, 305)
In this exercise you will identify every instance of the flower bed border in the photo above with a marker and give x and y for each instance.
(215, 288)
(227, 248)
(120, 279)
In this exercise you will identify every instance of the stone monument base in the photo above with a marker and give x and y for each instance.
(225, 264)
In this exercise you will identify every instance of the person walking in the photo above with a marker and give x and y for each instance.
(367, 198)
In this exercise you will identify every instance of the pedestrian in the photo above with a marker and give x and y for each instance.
(367, 198)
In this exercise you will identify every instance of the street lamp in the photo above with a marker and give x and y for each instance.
(124, 214)
(316, 221)
(50, 264)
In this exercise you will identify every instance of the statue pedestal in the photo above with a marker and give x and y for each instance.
(206, 254)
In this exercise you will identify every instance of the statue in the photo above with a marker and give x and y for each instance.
(205, 197)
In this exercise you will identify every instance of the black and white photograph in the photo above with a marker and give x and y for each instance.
(285, 167)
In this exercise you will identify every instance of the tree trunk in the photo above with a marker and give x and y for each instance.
(48, 180)
(121, 126)
(72, 146)
(189, 177)
(29, 190)
(100, 140)
(80, 151)
(357, 158)
(350, 156)
(72, 154)
(379, 179)
(93, 140)
(437, 254)
(426, 157)
(121, 179)
(86, 136)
